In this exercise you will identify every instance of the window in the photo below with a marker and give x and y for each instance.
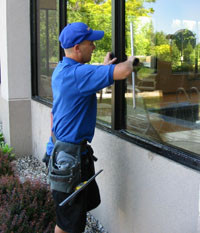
(47, 55)
(50, 17)
(159, 104)
(167, 83)
(97, 15)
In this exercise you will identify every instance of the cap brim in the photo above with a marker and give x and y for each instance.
(95, 35)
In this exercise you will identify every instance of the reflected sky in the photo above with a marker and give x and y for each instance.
(172, 15)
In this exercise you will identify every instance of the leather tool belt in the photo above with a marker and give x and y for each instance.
(65, 166)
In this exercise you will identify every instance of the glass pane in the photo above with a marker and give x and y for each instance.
(48, 49)
(97, 15)
(167, 82)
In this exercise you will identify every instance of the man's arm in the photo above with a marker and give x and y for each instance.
(122, 70)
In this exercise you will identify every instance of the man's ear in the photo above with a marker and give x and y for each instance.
(76, 48)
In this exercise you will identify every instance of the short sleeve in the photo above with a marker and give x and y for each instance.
(92, 78)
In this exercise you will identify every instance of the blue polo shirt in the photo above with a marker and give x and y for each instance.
(74, 87)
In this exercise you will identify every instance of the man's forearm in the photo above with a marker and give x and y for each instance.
(123, 70)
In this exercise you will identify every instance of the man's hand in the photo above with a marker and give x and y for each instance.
(108, 59)
(124, 69)
(46, 159)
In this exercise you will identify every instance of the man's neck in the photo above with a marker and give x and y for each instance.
(74, 57)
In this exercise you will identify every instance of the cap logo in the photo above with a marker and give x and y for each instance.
(88, 28)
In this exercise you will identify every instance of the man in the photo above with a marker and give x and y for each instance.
(74, 86)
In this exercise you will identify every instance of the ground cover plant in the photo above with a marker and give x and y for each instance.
(6, 157)
(24, 207)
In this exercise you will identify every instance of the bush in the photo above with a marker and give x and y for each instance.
(1, 138)
(5, 164)
(5, 148)
(26, 207)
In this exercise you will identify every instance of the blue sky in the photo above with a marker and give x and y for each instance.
(172, 15)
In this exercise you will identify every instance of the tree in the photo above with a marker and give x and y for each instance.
(183, 37)
(97, 14)
(185, 41)
(139, 15)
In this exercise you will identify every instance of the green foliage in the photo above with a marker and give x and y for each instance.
(160, 38)
(1, 138)
(24, 207)
(144, 72)
(184, 67)
(98, 15)
(5, 165)
(5, 148)
(162, 52)
(183, 37)
(136, 8)
(6, 156)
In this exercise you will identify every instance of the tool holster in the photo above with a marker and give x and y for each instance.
(65, 166)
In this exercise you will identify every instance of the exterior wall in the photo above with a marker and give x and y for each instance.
(141, 192)
(15, 74)
(41, 128)
(4, 113)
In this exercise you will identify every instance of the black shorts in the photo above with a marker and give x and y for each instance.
(72, 217)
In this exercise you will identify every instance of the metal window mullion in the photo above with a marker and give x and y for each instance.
(34, 44)
(118, 48)
(62, 21)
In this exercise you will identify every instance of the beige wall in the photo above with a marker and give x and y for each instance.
(141, 192)
(16, 74)
(41, 128)
(4, 113)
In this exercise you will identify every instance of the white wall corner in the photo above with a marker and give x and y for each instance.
(18, 49)
(3, 49)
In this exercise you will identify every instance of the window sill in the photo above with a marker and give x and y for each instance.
(42, 101)
(185, 158)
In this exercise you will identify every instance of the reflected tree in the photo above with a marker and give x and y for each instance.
(97, 14)
(185, 41)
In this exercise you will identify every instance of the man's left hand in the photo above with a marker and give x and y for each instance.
(46, 159)
(108, 59)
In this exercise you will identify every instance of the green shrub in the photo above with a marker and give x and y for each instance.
(6, 167)
(26, 207)
(6, 149)
(1, 138)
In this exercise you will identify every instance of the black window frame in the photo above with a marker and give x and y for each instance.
(34, 67)
(118, 126)
(189, 159)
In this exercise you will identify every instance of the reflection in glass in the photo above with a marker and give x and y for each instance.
(167, 83)
(97, 15)
(48, 50)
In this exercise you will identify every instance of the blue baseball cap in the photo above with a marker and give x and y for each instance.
(75, 33)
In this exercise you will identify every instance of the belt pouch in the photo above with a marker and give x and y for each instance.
(65, 167)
